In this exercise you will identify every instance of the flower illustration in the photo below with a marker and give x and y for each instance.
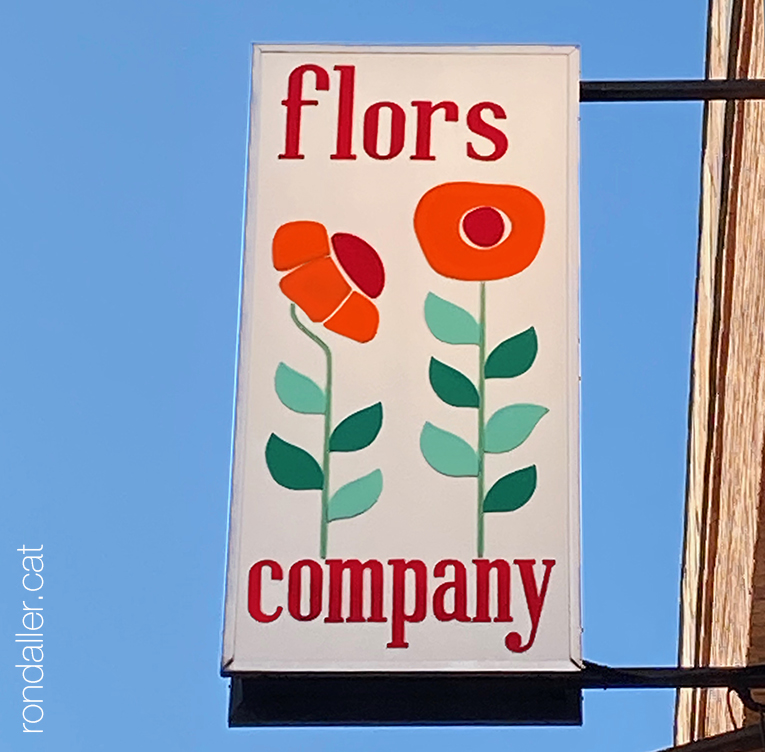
(479, 232)
(320, 274)
(319, 269)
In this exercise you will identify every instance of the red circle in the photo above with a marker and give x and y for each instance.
(484, 226)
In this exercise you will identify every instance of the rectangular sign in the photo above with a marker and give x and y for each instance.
(405, 488)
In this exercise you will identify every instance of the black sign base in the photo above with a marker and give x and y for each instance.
(445, 699)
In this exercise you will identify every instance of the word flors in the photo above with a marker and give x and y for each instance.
(393, 117)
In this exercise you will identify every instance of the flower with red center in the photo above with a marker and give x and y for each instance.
(318, 266)
(479, 231)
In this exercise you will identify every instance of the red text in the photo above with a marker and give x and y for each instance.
(350, 591)
(490, 146)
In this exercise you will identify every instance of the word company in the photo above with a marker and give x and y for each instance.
(408, 593)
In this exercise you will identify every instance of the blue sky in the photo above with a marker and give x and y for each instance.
(123, 134)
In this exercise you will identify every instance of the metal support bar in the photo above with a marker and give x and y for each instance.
(595, 676)
(745, 695)
(452, 698)
(671, 91)
(592, 676)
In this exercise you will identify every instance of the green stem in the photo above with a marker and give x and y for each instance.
(327, 430)
(481, 424)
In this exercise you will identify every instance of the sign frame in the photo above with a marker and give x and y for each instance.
(422, 697)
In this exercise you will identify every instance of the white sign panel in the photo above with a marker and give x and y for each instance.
(405, 479)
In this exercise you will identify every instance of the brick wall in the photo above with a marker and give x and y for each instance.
(723, 588)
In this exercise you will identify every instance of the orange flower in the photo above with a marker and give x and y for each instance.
(479, 231)
(317, 284)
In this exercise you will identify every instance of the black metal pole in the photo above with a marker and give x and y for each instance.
(671, 91)
(595, 676)
(592, 676)
(453, 698)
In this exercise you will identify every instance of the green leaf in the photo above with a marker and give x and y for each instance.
(512, 491)
(298, 392)
(358, 430)
(512, 357)
(451, 386)
(356, 497)
(510, 426)
(446, 453)
(450, 323)
(291, 466)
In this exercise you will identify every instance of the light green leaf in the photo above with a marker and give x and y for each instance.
(451, 386)
(510, 426)
(446, 453)
(292, 467)
(356, 497)
(298, 392)
(512, 491)
(358, 430)
(450, 323)
(512, 357)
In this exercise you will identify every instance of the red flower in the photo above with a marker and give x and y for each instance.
(464, 231)
(316, 283)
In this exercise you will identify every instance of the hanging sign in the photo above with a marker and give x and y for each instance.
(405, 487)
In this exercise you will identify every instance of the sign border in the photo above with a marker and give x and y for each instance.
(244, 322)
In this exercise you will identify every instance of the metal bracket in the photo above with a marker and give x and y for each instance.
(741, 679)
(698, 90)
(453, 698)
(745, 695)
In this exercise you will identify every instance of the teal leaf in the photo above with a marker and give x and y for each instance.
(358, 430)
(298, 392)
(510, 426)
(356, 497)
(512, 357)
(450, 323)
(451, 386)
(446, 453)
(291, 466)
(512, 491)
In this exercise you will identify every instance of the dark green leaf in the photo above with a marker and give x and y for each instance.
(512, 491)
(451, 386)
(291, 466)
(358, 430)
(512, 357)
(356, 497)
